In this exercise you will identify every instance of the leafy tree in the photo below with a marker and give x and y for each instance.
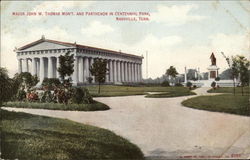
(165, 84)
(99, 70)
(172, 72)
(226, 74)
(6, 86)
(189, 85)
(66, 67)
(25, 79)
(240, 68)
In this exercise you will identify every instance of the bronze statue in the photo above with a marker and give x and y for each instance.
(213, 59)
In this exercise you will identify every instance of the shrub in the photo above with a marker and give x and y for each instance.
(165, 84)
(21, 95)
(50, 83)
(217, 78)
(194, 86)
(179, 85)
(189, 84)
(89, 79)
(47, 97)
(213, 84)
(81, 95)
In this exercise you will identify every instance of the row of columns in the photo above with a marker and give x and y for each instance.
(119, 71)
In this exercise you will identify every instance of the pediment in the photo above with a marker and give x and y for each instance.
(44, 45)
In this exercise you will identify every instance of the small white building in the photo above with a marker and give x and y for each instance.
(41, 58)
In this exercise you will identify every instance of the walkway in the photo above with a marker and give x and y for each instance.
(163, 127)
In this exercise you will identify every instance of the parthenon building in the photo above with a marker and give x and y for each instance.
(41, 58)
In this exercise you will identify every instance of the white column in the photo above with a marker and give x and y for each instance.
(91, 63)
(57, 66)
(19, 61)
(107, 73)
(115, 71)
(111, 76)
(81, 79)
(50, 70)
(132, 72)
(122, 71)
(41, 69)
(25, 68)
(75, 73)
(185, 75)
(136, 74)
(127, 72)
(140, 69)
(33, 71)
(86, 69)
(118, 71)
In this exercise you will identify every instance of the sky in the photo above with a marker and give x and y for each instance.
(177, 33)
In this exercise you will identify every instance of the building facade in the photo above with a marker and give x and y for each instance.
(41, 58)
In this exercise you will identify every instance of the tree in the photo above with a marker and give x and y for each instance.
(66, 67)
(99, 70)
(172, 72)
(25, 79)
(240, 68)
(6, 86)
(189, 85)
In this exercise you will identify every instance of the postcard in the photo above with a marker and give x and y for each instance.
(125, 80)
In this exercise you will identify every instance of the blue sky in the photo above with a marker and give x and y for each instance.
(179, 33)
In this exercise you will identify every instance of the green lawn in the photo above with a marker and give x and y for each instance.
(96, 106)
(112, 90)
(184, 92)
(26, 136)
(227, 103)
(238, 90)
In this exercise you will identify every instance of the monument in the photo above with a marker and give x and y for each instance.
(213, 70)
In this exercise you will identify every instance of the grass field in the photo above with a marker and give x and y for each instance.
(184, 92)
(96, 106)
(26, 136)
(238, 90)
(111, 90)
(227, 103)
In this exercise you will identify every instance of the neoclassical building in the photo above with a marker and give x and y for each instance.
(41, 58)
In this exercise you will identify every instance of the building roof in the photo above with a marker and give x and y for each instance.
(76, 46)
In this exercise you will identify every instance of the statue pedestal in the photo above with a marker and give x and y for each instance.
(213, 72)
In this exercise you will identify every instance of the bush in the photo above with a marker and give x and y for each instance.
(189, 84)
(194, 86)
(50, 83)
(217, 78)
(47, 97)
(179, 85)
(165, 84)
(213, 84)
(21, 95)
(81, 95)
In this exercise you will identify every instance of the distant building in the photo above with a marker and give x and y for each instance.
(41, 58)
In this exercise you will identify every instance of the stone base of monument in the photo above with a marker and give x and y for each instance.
(220, 83)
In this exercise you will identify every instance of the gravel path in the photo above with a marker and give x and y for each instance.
(163, 127)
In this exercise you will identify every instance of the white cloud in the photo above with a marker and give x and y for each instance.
(96, 28)
(9, 42)
(57, 6)
(175, 15)
(60, 6)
